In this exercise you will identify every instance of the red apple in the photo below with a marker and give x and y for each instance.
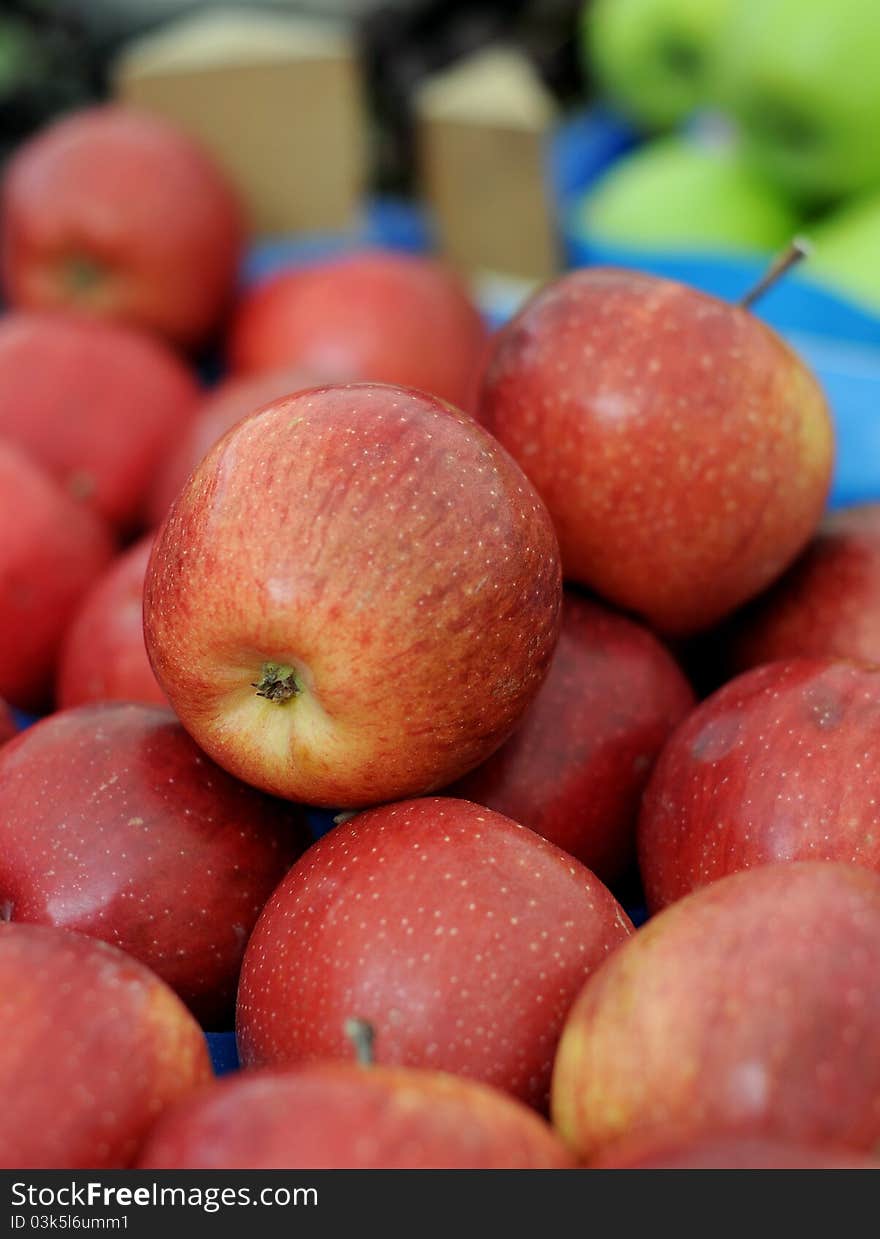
(51, 551)
(754, 1003)
(233, 399)
(100, 406)
(114, 824)
(380, 316)
(779, 764)
(115, 213)
(339, 1116)
(104, 657)
(661, 1150)
(826, 605)
(94, 1048)
(8, 725)
(575, 768)
(682, 448)
(461, 936)
(354, 598)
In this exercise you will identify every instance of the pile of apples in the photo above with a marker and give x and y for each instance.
(445, 588)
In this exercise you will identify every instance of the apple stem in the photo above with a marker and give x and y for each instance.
(362, 1035)
(276, 683)
(798, 249)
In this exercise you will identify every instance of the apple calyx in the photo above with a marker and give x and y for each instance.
(362, 1036)
(277, 683)
(82, 275)
(799, 248)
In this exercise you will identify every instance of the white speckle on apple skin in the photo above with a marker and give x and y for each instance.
(113, 823)
(507, 953)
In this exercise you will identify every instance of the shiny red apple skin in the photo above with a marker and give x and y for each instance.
(780, 764)
(338, 1116)
(724, 1151)
(461, 936)
(94, 1048)
(753, 1003)
(98, 405)
(233, 399)
(115, 213)
(52, 549)
(375, 316)
(826, 605)
(683, 449)
(104, 657)
(114, 824)
(388, 552)
(575, 768)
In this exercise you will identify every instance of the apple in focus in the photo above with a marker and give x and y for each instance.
(95, 1047)
(114, 213)
(338, 1116)
(114, 824)
(459, 935)
(682, 447)
(780, 764)
(354, 598)
(752, 1004)
(575, 768)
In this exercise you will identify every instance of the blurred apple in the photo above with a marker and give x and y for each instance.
(680, 194)
(224, 407)
(826, 605)
(354, 598)
(114, 824)
(801, 77)
(752, 1004)
(52, 549)
(682, 447)
(846, 245)
(380, 316)
(763, 771)
(338, 1116)
(461, 936)
(8, 725)
(575, 768)
(103, 657)
(99, 405)
(94, 1048)
(653, 59)
(114, 213)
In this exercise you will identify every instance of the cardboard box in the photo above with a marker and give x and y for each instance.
(277, 99)
(483, 128)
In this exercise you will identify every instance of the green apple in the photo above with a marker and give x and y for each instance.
(675, 193)
(803, 79)
(653, 58)
(846, 250)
